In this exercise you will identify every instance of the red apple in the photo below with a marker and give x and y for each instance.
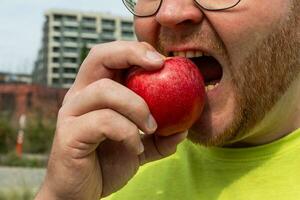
(175, 94)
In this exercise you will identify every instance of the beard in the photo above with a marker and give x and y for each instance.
(262, 78)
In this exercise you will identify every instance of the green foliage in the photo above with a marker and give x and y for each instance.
(7, 135)
(21, 194)
(84, 51)
(38, 136)
(11, 159)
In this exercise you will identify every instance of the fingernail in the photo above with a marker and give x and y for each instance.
(141, 148)
(151, 123)
(154, 56)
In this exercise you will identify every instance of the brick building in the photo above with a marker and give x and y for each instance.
(17, 99)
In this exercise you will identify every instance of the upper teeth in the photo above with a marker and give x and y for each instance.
(189, 54)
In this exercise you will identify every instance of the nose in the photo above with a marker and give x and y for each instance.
(175, 12)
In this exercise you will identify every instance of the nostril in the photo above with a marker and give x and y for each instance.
(173, 13)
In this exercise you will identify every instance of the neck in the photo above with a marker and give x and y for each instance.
(283, 119)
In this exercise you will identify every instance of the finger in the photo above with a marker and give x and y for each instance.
(106, 93)
(82, 135)
(103, 59)
(158, 147)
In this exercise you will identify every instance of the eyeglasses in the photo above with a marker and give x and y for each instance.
(146, 8)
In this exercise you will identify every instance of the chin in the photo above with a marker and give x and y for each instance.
(218, 125)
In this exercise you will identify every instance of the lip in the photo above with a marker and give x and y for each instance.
(205, 50)
(211, 94)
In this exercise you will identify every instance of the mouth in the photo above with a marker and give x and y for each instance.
(208, 65)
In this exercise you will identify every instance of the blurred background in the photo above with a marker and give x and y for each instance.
(42, 44)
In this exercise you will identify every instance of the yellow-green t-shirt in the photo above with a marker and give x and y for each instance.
(267, 172)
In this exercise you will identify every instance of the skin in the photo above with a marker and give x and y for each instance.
(251, 53)
(97, 146)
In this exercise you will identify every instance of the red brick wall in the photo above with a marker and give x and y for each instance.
(24, 98)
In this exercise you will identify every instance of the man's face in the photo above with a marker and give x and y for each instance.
(256, 44)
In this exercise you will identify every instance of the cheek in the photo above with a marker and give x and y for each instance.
(146, 30)
(245, 26)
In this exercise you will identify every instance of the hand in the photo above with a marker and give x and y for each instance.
(97, 146)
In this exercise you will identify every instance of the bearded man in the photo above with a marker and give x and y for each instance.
(245, 145)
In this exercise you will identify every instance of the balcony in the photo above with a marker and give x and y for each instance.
(71, 54)
(69, 64)
(56, 34)
(89, 35)
(56, 23)
(55, 65)
(127, 28)
(70, 34)
(90, 45)
(71, 44)
(128, 38)
(107, 36)
(88, 24)
(71, 23)
(69, 75)
(108, 26)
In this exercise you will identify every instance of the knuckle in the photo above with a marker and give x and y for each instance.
(95, 49)
(104, 83)
(104, 118)
(131, 132)
(147, 45)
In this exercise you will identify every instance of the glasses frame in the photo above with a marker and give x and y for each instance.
(198, 4)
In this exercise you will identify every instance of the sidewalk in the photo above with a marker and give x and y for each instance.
(18, 178)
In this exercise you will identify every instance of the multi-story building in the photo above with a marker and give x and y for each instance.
(15, 78)
(67, 36)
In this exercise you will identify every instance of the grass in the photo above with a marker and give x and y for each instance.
(17, 194)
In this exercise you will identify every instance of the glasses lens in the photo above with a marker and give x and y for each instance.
(217, 4)
(142, 7)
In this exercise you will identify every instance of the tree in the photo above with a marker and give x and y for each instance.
(84, 51)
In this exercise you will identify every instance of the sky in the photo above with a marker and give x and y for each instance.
(21, 27)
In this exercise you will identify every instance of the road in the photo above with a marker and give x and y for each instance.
(16, 178)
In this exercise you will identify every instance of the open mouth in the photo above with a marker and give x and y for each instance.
(210, 68)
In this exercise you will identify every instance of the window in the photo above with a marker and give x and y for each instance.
(89, 40)
(57, 28)
(70, 70)
(70, 39)
(127, 24)
(70, 50)
(55, 60)
(55, 70)
(89, 19)
(71, 18)
(69, 60)
(56, 49)
(55, 80)
(69, 80)
(108, 32)
(88, 30)
(57, 17)
(127, 34)
(71, 28)
(108, 24)
(56, 39)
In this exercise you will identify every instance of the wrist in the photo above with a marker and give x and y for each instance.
(45, 194)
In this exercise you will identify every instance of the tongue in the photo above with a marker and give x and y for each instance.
(209, 67)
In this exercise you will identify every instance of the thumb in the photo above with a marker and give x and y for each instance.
(157, 147)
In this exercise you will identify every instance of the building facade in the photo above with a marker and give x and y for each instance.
(67, 37)
(18, 99)
(15, 78)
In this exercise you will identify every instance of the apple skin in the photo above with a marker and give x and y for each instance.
(175, 94)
